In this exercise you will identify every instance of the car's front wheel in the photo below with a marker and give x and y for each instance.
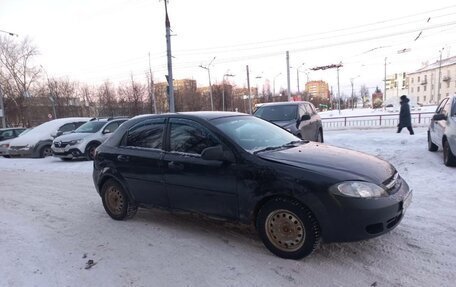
(90, 151)
(431, 145)
(46, 151)
(449, 158)
(116, 202)
(287, 228)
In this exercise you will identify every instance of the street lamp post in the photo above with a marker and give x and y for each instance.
(273, 84)
(2, 106)
(208, 68)
(223, 89)
(352, 96)
(297, 76)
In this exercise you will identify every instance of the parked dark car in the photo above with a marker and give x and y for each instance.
(241, 168)
(299, 118)
(442, 130)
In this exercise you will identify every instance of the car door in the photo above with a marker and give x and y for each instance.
(437, 128)
(195, 184)
(139, 162)
(305, 126)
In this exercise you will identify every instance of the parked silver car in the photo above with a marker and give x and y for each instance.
(299, 118)
(7, 135)
(442, 130)
(83, 141)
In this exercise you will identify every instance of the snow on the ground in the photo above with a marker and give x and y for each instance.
(372, 112)
(52, 222)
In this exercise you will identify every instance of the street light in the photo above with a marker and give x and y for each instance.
(223, 90)
(297, 75)
(51, 96)
(208, 68)
(273, 83)
(2, 107)
(258, 77)
(352, 97)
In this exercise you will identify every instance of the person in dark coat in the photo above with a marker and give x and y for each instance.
(405, 118)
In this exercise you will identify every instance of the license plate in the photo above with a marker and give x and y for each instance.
(59, 150)
(407, 202)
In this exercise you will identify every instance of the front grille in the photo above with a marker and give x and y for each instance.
(60, 144)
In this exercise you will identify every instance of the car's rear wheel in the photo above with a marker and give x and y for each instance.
(116, 202)
(449, 158)
(65, 159)
(431, 145)
(46, 151)
(90, 151)
(287, 228)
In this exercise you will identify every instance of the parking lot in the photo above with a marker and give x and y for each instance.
(52, 223)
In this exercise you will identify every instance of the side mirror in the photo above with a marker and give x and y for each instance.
(439, 117)
(217, 153)
(305, 117)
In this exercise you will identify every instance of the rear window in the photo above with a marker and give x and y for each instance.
(277, 113)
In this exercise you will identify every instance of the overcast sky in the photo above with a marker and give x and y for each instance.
(94, 40)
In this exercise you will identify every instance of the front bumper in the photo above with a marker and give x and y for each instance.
(20, 151)
(356, 219)
(68, 151)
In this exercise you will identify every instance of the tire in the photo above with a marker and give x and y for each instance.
(287, 228)
(320, 136)
(90, 151)
(431, 145)
(46, 151)
(448, 156)
(116, 202)
(65, 159)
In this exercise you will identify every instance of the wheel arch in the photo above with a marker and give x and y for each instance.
(111, 176)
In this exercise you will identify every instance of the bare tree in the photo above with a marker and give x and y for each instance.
(18, 72)
(107, 99)
(364, 94)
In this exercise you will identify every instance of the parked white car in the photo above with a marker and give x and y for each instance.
(4, 144)
(82, 142)
(37, 142)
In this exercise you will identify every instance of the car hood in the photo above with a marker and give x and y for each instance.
(340, 163)
(72, 136)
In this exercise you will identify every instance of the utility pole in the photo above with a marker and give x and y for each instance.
(248, 87)
(288, 76)
(170, 64)
(440, 74)
(208, 68)
(338, 90)
(384, 92)
(151, 89)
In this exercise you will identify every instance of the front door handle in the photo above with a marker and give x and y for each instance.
(172, 165)
(123, 158)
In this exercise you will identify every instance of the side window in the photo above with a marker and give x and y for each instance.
(302, 111)
(147, 134)
(78, 124)
(190, 137)
(110, 128)
(453, 113)
(447, 108)
(440, 107)
(67, 128)
(18, 132)
(311, 108)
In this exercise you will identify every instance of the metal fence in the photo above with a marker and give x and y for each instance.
(383, 120)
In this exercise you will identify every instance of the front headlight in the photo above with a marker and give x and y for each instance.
(360, 189)
(73, 142)
(4, 145)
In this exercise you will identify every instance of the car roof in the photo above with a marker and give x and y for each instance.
(283, 103)
(206, 115)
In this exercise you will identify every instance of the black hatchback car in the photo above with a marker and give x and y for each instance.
(241, 168)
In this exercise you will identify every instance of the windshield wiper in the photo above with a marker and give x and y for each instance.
(287, 145)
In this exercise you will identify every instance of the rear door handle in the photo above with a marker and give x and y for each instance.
(175, 166)
(123, 158)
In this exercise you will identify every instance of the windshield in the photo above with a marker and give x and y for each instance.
(277, 113)
(254, 134)
(90, 127)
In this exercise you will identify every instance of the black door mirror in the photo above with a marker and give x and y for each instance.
(217, 153)
(305, 117)
(439, 117)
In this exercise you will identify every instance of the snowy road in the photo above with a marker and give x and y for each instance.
(52, 222)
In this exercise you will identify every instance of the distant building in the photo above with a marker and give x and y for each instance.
(396, 86)
(318, 89)
(423, 84)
